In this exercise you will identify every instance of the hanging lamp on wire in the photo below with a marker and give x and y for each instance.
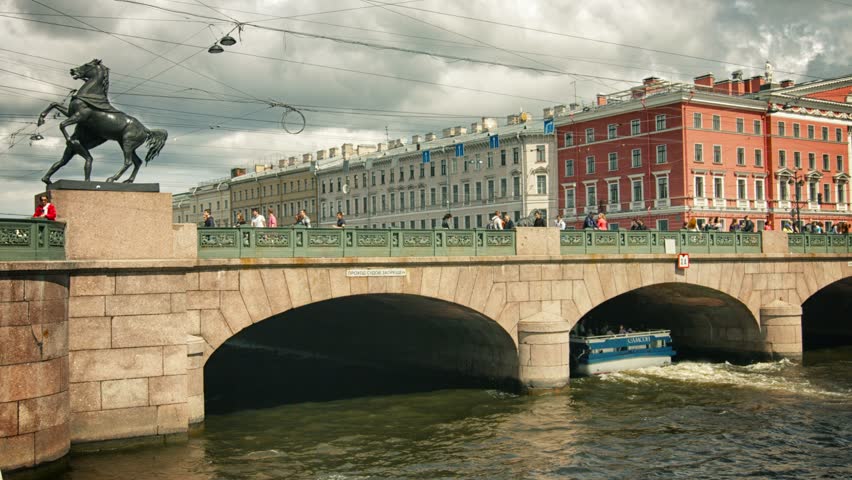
(215, 49)
(228, 41)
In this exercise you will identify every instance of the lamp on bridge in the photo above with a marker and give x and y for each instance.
(797, 181)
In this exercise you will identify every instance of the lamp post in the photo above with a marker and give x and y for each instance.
(797, 182)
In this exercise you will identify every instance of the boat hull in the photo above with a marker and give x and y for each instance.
(623, 364)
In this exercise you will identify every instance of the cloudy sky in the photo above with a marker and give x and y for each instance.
(362, 71)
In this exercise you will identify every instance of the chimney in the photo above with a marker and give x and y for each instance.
(737, 86)
(705, 80)
(347, 149)
(475, 127)
(722, 86)
(415, 139)
(333, 152)
(431, 136)
(573, 107)
(601, 98)
(489, 123)
(306, 158)
(396, 143)
(513, 119)
(756, 82)
(321, 154)
(365, 149)
(547, 112)
(447, 132)
(237, 172)
(559, 110)
(787, 83)
(291, 161)
(382, 147)
(282, 163)
(460, 130)
(648, 81)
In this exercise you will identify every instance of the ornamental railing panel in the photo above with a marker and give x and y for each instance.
(31, 239)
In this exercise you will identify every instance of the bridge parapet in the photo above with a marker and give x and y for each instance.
(31, 239)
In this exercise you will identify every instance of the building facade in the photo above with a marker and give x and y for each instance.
(666, 152)
(286, 190)
(188, 207)
(469, 175)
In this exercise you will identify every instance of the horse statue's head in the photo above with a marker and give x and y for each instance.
(87, 71)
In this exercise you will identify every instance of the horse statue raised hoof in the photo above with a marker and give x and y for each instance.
(97, 121)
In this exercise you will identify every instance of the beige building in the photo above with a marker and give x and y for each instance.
(188, 207)
(392, 186)
(286, 189)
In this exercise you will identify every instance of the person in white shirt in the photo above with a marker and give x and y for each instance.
(560, 223)
(257, 219)
(497, 221)
(306, 220)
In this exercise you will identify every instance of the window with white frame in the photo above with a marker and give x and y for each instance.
(718, 187)
(699, 186)
(662, 187)
(636, 158)
(825, 134)
(742, 190)
(812, 191)
(759, 194)
(698, 156)
(741, 156)
(570, 198)
(590, 164)
(839, 165)
(783, 189)
(591, 195)
(811, 132)
(811, 161)
(717, 154)
(838, 135)
(539, 153)
(717, 122)
(569, 168)
(661, 153)
(541, 184)
(696, 120)
(782, 158)
(758, 157)
(569, 140)
(826, 193)
(590, 135)
(757, 127)
(740, 125)
(637, 190)
(841, 193)
(797, 159)
(797, 130)
(613, 193)
(635, 127)
(660, 122)
(826, 162)
(613, 161)
(612, 130)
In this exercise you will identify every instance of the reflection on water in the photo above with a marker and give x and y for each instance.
(689, 420)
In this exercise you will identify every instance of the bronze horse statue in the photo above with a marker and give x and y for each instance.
(97, 121)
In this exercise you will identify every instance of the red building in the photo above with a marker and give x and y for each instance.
(666, 152)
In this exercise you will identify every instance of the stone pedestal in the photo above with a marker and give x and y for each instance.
(543, 348)
(195, 378)
(34, 407)
(537, 241)
(108, 225)
(781, 327)
(774, 242)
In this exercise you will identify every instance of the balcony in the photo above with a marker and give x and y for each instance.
(661, 203)
(613, 207)
(700, 202)
(784, 205)
(638, 205)
(569, 212)
(743, 203)
(842, 207)
(813, 205)
(760, 205)
(719, 203)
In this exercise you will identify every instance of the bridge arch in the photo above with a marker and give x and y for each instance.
(822, 326)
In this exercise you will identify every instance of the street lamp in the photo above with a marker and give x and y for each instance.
(797, 182)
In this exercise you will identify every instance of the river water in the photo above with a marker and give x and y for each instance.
(689, 420)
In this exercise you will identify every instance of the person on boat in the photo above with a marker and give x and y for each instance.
(621, 330)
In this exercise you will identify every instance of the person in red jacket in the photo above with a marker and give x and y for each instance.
(45, 209)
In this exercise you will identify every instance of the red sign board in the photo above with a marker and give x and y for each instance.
(682, 261)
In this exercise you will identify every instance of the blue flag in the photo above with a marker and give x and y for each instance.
(494, 141)
(460, 150)
(548, 126)
(427, 156)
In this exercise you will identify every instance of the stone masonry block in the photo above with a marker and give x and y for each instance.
(168, 389)
(319, 284)
(14, 313)
(46, 287)
(219, 280)
(172, 418)
(85, 285)
(131, 392)
(297, 285)
(149, 330)
(115, 364)
(54, 338)
(17, 452)
(19, 345)
(42, 412)
(145, 304)
(48, 311)
(52, 443)
(214, 329)
(112, 424)
(11, 290)
(85, 396)
(135, 283)
(254, 295)
(191, 279)
(89, 333)
(195, 382)
(174, 359)
(234, 311)
(200, 300)
(86, 306)
(517, 292)
(178, 302)
(8, 419)
(29, 380)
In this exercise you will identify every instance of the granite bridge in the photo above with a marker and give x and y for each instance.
(108, 318)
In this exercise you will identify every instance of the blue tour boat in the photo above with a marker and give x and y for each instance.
(598, 354)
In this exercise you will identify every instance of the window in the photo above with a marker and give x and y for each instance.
(612, 130)
(422, 171)
(478, 190)
(410, 175)
(740, 156)
(401, 201)
(613, 161)
(696, 120)
(384, 202)
(662, 187)
(392, 202)
(445, 199)
(382, 173)
(758, 127)
(638, 194)
(742, 193)
(541, 184)
(797, 159)
(811, 161)
(591, 196)
(516, 186)
(455, 194)
(662, 225)
(590, 135)
(782, 129)
(783, 189)
(569, 168)
(539, 153)
(636, 158)
(444, 167)
(660, 122)
(504, 187)
(812, 191)
(433, 196)
(839, 167)
(699, 152)
(841, 193)
(477, 163)
(373, 178)
(569, 141)
(717, 122)
(613, 193)
(570, 198)
(635, 127)
(718, 187)
(590, 164)
(699, 186)
(491, 192)
(838, 135)
(661, 154)
(503, 154)
(411, 204)
(825, 134)
(323, 188)
(516, 156)
(758, 157)
(758, 190)
(796, 130)
(782, 158)
(740, 125)
(389, 181)
(826, 193)
(465, 163)
(373, 204)
(489, 160)
(826, 162)
(811, 132)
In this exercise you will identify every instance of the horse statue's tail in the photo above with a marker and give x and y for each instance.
(156, 142)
